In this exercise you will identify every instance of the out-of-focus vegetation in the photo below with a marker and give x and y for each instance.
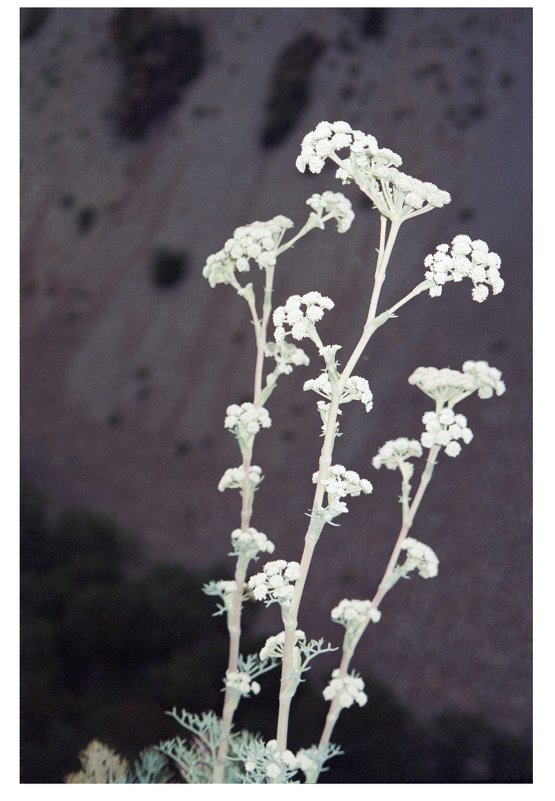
(105, 650)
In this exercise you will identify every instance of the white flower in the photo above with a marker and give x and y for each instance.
(286, 356)
(355, 614)
(273, 647)
(332, 205)
(348, 689)
(250, 543)
(441, 384)
(257, 241)
(444, 428)
(487, 380)
(356, 389)
(299, 321)
(276, 582)
(373, 169)
(233, 477)
(241, 683)
(468, 259)
(396, 451)
(246, 420)
(420, 557)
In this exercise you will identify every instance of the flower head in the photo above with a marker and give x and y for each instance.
(445, 428)
(466, 258)
(250, 543)
(234, 478)
(300, 321)
(420, 557)
(332, 205)
(257, 242)
(276, 582)
(397, 451)
(339, 484)
(347, 689)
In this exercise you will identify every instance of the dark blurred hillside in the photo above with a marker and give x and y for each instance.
(104, 656)
(147, 136)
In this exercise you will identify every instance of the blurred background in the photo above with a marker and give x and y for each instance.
(147, 136)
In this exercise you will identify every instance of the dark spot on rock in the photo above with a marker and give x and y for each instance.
(141, 373)
(346, 92)
(29, 288)
(345, 42)
(72, 317)
(143, 393)
(86, 218)
(470, 21)
(474, 53)
(499, 346)
(67, 201)
(206, 441)
(373, 22)
(287, 435)
(206, 111)
(354, 69)
(31, 20)
(289, 90)
(461, 118)
(115, 420)
(472, 82)
(51, 288)
(466, 214)
(182, 448)
(159, 57)
(168, 267)
(238, 337)
(476, 111)
(428, 70)
(506, 79)
(402, 112)
(50, 77)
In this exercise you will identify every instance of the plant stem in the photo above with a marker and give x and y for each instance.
(408, 520)
(317, 520)
(234, 618)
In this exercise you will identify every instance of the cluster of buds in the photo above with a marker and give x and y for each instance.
(245, 421)
(451, 386)
(396, 452)
(250, 543)
(257, 241)
(356, 389)
(301, 322)
(276, 582)
(341, 483)
(273, 647)
(347, 689)
(419, 557)
(331, 205)
(374, 169)
(241, 684)
(445, 428)
(234, 478)
(466, 258)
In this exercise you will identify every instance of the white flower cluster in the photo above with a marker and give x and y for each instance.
(442, 384)
(223, 589)
(420, 557)
(487, 380)
(286, 356)
(273, 647)
(257, 241)
(246, 420)
(445, 385)
(467, 259)
(352, 613)
(277, 761)
(241, 683)
(333, 205)
(396, 451)
(356, 389)
(445, 428)
(347, 689)
(276, 582)
(341, 483)
(300, 321)
(250, 543)
(234, 476)
(373, 169)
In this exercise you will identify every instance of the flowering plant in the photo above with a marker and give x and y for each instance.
(215, 752)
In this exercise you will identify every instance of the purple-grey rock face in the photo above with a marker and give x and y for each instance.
(147, 137)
